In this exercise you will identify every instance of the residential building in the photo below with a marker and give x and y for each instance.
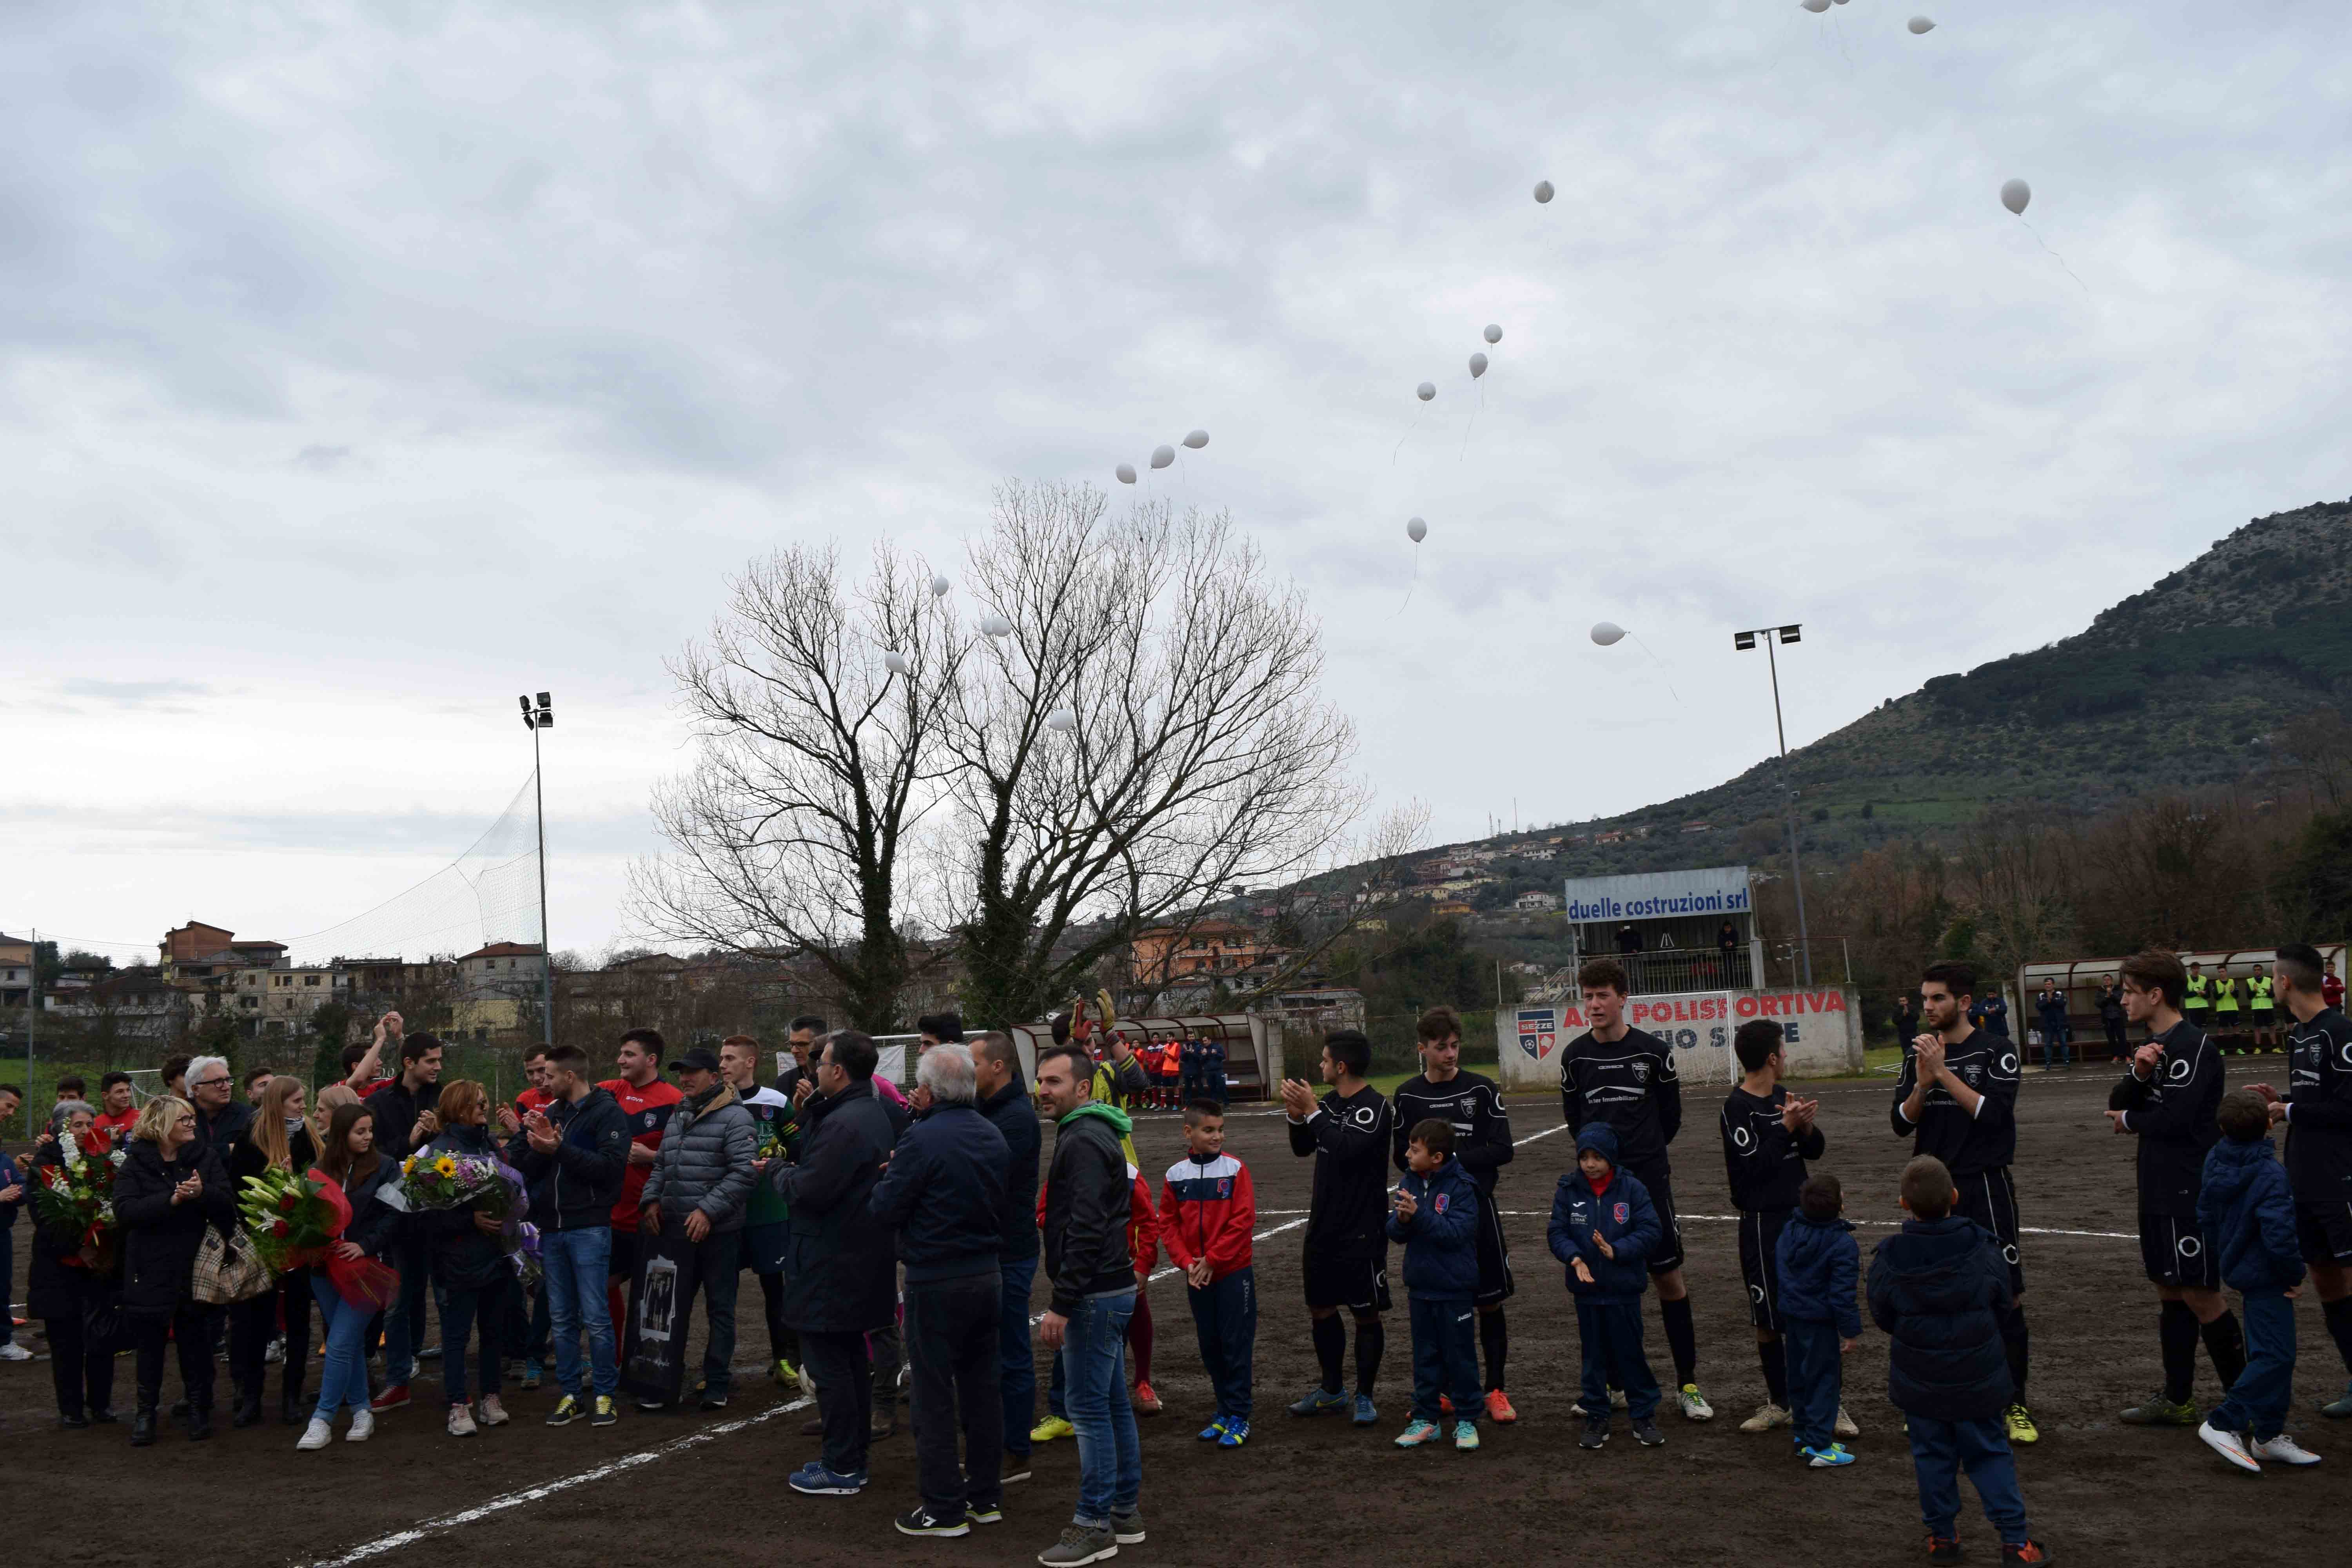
(16, 971)
(1204, 949)
(1535, 903)
(497, 986)
(280, 1000)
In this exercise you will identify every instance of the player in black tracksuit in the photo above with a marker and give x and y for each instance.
(1766, 1137)
(1625, 1076)
(2167, 1096)
(1347, 1229)
(1956, 1100)
(1473, 1107)
(2317, 1110)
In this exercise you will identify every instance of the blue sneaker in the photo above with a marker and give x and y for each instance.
(1213, 1430)
(1237, 1432)
(1321, 1402)
(817, 1481)
(1829, 1458)
(1365, 1413)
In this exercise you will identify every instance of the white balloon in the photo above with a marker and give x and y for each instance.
(995, 626)
(1197, 439)
(1922, 24)
(1425, 390)
(1477, 367)
(1125, 472)
(1494, 334)
(1416, 530)
(1543, 190)
(895, 662)
(1815, 6)
(1162, 456)
(2015, 194)
(938, 587)
(1062, 719)
(1840, 2)
(1607, 634)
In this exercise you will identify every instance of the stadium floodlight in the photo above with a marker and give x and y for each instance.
(536, 718)
(1744, 642)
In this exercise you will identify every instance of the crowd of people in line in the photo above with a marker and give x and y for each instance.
(891, 1230)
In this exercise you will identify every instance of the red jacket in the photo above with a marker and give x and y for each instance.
(1142, 1221)
(1207, 1210)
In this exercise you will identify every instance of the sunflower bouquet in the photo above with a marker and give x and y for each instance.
(288, 1218)
(448, 1180)
(77, 1193)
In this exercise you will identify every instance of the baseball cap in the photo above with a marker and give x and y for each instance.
(699, 1059)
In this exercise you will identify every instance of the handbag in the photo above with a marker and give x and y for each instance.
(229, 1270)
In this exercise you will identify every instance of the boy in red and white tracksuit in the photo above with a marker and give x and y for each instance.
(1207, 1212)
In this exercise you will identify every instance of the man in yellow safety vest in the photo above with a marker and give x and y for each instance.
(2264, 1013)
(2225, 1014)
(2197, 999)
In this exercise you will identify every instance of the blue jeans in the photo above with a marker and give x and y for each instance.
(1814, 1379)
(1224, 1320)
(343, 1376)
(403, 1319)
(1445, 1358)
(2257, 1402)
(1094, 1363)
(1609, 1334)
(459, 1313)
(576, 1261)
(1940, 1450)
(1019, 1376)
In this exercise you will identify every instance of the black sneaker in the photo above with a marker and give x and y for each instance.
(923, 1522)
(1596, 1432)
(1016, 1468)
(985, 1512)
(1943, 1548)
(712, 1402)
(1646, 1433)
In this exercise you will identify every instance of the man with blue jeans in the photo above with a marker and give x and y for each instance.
(1093, 1275)
(1005, 1100)
(574, 1153)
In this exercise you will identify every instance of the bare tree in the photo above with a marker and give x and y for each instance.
(816, 761)
(2015, 878)
(1199, 753)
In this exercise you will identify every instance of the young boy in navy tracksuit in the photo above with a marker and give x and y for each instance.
(1819, 1265)
(1207, 1212)
(2248, 1212)
(1604, 1229)
(1938, 1288)
(1436, 1218)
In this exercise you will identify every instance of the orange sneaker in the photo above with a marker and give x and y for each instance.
(1499, 1407)
(1146, 1402)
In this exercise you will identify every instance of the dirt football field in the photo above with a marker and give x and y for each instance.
(689, 1487)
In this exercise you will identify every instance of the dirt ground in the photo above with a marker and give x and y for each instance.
(1306, 1492)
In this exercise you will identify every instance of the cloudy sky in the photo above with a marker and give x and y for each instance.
(361, 366)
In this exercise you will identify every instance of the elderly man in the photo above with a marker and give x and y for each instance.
(1003, 1099)
(840, 1275)
(944, 1196)
(222, 1123)
(702, 1181)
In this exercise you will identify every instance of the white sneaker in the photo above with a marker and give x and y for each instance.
(12, 1351)
(1616, 1399)
(461, 1422)
(2286, 1450)
(362, 1426)
(317, 1435)
(1845, 1427)
(493, 1412)
(1694, 1404)
(1768, 1416)
(2230, 1445)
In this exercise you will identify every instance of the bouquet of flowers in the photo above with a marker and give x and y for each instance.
(288, 1218)
(78, 1192)
(448, 1180)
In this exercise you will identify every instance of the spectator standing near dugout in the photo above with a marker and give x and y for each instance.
(2050, 1014)
(2111, 1018)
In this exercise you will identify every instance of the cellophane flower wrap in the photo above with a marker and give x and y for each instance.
(288, 1218)
(444, 1179)
(77, 1193)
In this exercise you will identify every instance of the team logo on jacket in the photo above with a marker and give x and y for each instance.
(649, 1119)
(1972, 1074)
(1224, 1187)
(1438, 1202)
(1641, 1073)
(1620, 1213)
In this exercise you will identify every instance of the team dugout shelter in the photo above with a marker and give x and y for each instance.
(2082, 982)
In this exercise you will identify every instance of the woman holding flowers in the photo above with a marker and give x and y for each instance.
(355, 1282)
(457, 1179)
(278, 1143)
(73, 1268)
(167, 1190)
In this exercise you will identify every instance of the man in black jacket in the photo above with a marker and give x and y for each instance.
(573, 1152)
(944, 1196)
(223, 1121)
(405, 1120)
(1093, 1274)
(1347, 1250)
(806, 1028)
(1003, 1099)
(840, 1274)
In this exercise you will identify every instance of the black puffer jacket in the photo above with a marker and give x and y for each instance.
(1936, 1286)
(160, 1237)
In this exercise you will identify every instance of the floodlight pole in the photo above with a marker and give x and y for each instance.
(1796, 869)
(536, 719)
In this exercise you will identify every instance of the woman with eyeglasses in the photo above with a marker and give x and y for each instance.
(280, 1141)
(166, 1192)
(65, 1291)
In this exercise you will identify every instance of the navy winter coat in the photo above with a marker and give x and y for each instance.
(2248, 1212)
(1820, 1265)
(1622, 1213)
(1440, 1249)
(1014, 1115)
(840, 1275)
(574, 1186)
(944, 1195)
(1934, 1287)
